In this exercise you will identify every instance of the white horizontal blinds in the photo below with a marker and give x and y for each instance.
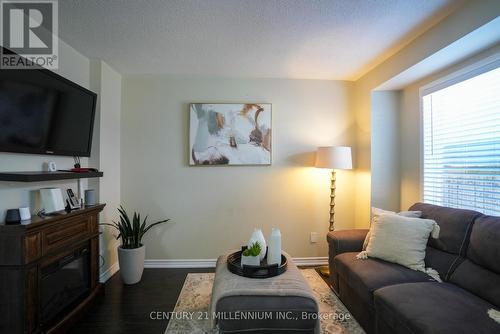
(461, 133)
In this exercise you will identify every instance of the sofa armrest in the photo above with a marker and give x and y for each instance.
(345, 241)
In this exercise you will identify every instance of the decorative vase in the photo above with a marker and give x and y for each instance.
(259, 237)
(131, 263)
(274, 250)
(250, 260)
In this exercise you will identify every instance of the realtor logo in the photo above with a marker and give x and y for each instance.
(29, 30)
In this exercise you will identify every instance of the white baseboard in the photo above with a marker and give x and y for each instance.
(110, 272)
(210, 263)
(311, 261)
(195, 263)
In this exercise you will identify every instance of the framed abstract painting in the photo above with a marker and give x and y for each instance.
(230, 134)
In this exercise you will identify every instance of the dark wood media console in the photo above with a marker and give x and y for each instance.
(49, 271)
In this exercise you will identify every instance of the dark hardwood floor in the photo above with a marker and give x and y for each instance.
(126, 309)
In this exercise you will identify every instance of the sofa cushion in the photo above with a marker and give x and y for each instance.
(478, 280)
(455, 226)
(444, 263)
(431, 308)
(366, 276)
(480, 272)
(484, 245)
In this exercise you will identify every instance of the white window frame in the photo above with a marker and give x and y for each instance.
(482, 66)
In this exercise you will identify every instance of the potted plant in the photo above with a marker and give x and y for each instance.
(251, 255)
(131, 252)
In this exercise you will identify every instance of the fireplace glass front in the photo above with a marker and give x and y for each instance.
(63, 282)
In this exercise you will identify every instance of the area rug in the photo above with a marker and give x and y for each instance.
(191, 310)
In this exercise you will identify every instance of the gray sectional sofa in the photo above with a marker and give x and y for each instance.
(388, 298)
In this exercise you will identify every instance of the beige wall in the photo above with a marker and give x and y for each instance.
(409, 153)
(467, 18)
(385, 137)
(214, 209)
(106, 153)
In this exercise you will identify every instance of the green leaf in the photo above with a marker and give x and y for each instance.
(253, 250)
(131, 231)
(154, 224)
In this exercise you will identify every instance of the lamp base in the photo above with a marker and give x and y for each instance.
(324, 271)
(332, 201)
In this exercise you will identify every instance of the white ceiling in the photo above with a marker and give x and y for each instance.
(313, 39)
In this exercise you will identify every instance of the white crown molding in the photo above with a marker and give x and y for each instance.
(210, 263)
(109, 272)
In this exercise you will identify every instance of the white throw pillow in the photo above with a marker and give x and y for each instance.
(494, 314)
(399, 239)
(413, 214)
(377, 212)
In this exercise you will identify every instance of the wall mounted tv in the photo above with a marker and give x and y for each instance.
(44, 113)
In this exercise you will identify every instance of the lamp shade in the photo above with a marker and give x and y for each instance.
(334, 157)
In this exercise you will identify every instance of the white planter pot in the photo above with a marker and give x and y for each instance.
(250, 260)
(258, 236)
(131, 264)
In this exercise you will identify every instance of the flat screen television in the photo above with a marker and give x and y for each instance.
(44, 113)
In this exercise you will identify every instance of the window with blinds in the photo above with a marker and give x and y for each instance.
(461, 139)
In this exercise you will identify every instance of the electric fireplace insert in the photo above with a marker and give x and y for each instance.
(63, 282)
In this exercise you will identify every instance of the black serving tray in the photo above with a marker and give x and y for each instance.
(262, 271)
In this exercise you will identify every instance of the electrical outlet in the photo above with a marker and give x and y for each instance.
(314, 237)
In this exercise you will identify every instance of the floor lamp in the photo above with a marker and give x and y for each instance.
(333, 157)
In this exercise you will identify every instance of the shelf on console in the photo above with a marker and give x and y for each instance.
(46, 176)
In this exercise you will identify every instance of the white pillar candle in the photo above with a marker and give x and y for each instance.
(274, 251)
